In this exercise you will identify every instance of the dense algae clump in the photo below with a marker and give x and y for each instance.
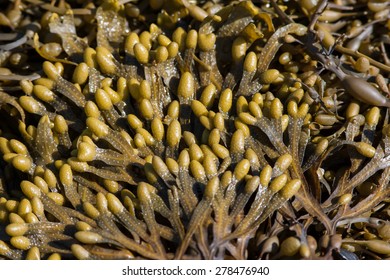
(194, 130)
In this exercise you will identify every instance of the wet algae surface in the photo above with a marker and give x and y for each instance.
(179, 129)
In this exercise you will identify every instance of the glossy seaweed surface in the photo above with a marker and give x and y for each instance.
(179, 129)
